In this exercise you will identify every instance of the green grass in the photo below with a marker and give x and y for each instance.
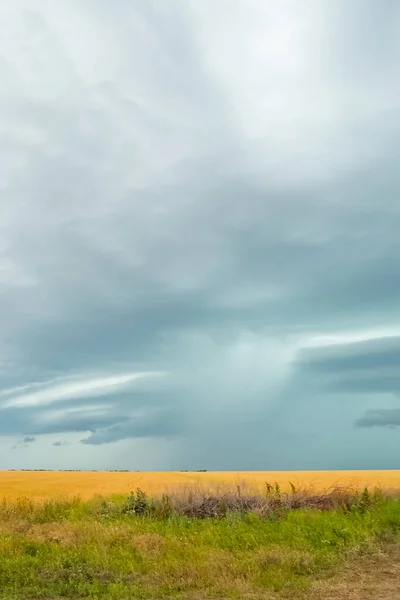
(99, 550)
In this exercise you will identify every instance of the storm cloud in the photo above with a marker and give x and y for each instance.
(28, 439)
(199, 233)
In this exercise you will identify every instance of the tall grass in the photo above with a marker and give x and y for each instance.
(189, 544)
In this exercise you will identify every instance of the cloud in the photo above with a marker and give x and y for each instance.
(366, 366)
(53, 391)
(25, 443)
(364, 371)
(87, 404)
(203, 198)
(380, 418)
(59, 443)
(148, 424)
(28, 439)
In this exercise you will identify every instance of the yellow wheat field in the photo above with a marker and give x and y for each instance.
(54, 484)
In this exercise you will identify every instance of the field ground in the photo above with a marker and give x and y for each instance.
(41, 485)
(137, 547)
(374, 578)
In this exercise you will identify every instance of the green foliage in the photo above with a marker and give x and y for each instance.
(164, 509)
(137, 503)
(137, 547)
(223, 508)
(277, 490)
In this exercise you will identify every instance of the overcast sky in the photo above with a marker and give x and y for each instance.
(199, 234)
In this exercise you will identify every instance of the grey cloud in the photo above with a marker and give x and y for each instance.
(59, 443)
(164, 423)
(153, 414)
(16, 420)
(368, 37)
(146, 226)
(367, 384)
(365, 369)
(28, 439)
(286, 277)
(364, 355)
(360, 367)
(380, 418)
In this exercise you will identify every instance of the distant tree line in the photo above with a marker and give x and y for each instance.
(100, 470)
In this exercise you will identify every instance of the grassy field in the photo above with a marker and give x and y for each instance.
(41, 485)
(195, 546)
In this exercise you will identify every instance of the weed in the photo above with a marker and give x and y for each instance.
(164, 509)
(189, 544)
(137, 503)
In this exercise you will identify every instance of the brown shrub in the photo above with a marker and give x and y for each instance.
(201, 505)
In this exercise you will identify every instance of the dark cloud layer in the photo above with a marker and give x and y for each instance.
(380, 418)
(357, 356)
(368, 367)
(209, 192)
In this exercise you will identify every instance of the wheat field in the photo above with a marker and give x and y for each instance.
(87, 484)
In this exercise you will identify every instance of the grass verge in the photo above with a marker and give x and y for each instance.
(190, 545)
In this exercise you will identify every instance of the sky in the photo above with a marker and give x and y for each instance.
(199, 234)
